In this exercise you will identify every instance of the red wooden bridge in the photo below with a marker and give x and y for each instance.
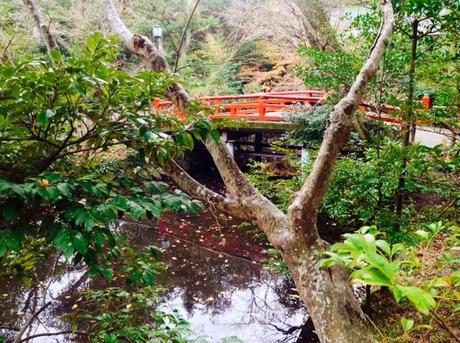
(252, 107)
(267, 107)
(267, 112)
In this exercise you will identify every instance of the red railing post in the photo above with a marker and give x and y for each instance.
(156, 105)
(233, 110)
(262, 108)
(427, 102)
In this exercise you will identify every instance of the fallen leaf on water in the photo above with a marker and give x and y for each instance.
(210, 299)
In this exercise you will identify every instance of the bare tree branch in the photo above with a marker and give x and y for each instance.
(180, 48)
(303, 210)
(29, 322)
(188, 184)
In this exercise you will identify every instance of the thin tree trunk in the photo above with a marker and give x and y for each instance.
(186, 37)
(409, 124)
(45, 32)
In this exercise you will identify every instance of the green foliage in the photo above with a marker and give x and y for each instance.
(309, 125)
(373, 261)
(329, 70)
(251, 54)
(436, 55)
(275, 262)
(279, 190)
(119, 315)
(213, 69)
(363, 189)
(79, 148)
(23, 262)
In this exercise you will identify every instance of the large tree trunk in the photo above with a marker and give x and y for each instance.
(336, 314)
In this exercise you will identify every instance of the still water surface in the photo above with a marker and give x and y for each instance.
(215, 280)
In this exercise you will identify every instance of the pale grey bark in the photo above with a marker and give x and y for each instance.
(188, 184)
(336, 314)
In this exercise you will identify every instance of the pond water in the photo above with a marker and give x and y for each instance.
(215, 280)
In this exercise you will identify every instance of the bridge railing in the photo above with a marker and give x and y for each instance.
(260, 106)
(272, 106)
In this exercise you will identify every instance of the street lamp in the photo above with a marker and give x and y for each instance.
(157, 32)
(158, 37)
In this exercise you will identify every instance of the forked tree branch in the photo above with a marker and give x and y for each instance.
(303, 211)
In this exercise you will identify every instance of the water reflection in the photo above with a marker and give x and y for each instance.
(214, 279)
(60, 286)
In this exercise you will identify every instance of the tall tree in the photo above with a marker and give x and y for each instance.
(326, 293)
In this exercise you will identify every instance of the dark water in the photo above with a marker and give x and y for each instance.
(214, 279)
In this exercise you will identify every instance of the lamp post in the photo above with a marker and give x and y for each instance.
(157, 32)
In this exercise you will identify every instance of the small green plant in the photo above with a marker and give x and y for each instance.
(375, 262)
(276, 263)
(309, 125)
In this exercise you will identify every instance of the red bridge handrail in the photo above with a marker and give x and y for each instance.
(249, 106)
(267, 106)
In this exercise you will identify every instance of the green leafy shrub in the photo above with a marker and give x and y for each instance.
(118, 315)
(375, 262)
(309, 125)
(80, 148)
